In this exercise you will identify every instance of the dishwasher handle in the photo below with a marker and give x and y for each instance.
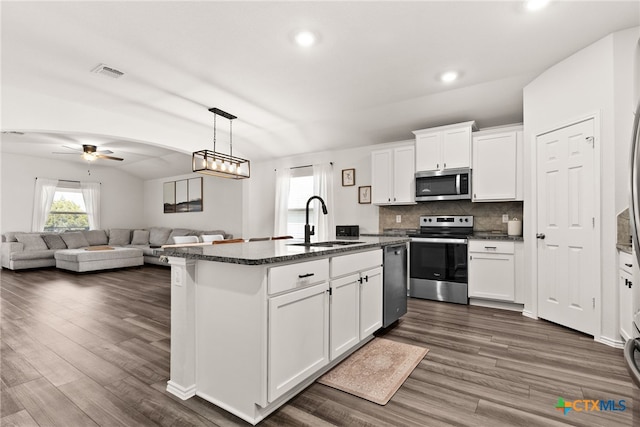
(630, 348)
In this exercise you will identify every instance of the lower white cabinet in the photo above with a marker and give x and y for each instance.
(370, 301)
(298, 337)
(492, 270)
(345, 314)
(625, 289)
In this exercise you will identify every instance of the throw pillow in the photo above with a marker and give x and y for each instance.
(178, 232)
(75, 240)
(119, 236)
(96, 237)
(185, 239)
(140, 237)
(32, 242)
(159, 235)
(211, 237)
(54, 241)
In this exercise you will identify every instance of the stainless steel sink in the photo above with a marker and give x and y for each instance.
(329, 244)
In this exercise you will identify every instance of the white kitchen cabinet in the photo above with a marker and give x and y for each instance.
(370, 301)
(345, 314)
(393, 176)
(498, 165)
(492, 270)
(298, 337)
(444, 147)
(625, 289)
(356, 299)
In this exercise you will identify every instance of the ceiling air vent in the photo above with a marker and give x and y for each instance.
(107, 71)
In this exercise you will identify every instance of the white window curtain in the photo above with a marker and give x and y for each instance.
(42, 200)
(283, 179)
(323, 187)
(91, 195)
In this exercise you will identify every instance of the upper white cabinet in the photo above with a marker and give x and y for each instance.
(498, 165)
(393, 176)
(444, 147)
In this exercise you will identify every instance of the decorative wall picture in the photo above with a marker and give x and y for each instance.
(184, 195)
(348, 177)
(169, 196)
(364, 194)
(195, 194)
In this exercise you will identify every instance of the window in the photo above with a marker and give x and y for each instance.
(68, 211)
(300, 189)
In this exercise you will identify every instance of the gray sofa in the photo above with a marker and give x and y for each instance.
(22, 250)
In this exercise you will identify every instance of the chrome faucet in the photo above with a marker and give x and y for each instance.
(310, 230)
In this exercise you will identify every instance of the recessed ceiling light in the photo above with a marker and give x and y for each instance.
(449, 76)
(534, 5)
(305, 38)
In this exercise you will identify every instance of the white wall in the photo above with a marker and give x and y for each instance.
(222, 205)
(121, 193)
(585, 83)
(260, 190)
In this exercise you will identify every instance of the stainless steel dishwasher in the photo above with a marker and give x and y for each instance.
(395, 281)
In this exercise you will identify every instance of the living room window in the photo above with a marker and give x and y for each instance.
(68, 211)
(61, 205)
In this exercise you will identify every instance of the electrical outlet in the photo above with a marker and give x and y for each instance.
(398, 219)
(505, 218)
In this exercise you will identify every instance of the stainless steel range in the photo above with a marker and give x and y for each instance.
(439, 258)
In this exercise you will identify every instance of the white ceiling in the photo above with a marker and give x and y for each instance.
(371, 79)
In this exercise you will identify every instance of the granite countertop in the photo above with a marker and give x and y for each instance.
(624, 247)
(274, 251)
(488, 235)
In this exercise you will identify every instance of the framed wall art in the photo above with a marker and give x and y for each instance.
(184, 195)
(364, 194)
(348, 177)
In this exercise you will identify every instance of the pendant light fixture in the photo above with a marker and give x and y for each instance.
(219, 164)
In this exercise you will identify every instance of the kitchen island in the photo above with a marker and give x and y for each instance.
(253, 324)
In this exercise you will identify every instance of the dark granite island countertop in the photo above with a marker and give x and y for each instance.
(487, 235)
(275, 251)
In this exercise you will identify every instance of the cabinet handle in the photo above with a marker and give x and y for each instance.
(491, 247)
(360, 280)
(302, 276)
(437, 165)
(630, 284)
(628, 265)
(445, 166)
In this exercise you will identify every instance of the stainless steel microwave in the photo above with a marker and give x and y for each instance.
(451, 184)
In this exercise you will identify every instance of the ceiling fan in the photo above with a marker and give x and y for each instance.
(91, 153)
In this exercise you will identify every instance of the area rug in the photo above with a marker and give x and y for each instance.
(376, 371)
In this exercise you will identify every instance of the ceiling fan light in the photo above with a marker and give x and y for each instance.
(533, 5)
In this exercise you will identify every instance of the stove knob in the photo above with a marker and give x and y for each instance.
(430, 219)
(466, 220)
(460, 219)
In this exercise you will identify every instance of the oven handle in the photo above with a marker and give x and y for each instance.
(437, 240)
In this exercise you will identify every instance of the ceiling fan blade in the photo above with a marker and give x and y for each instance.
(102, 156)
(58, 152)
(104, 152)
(79, 149)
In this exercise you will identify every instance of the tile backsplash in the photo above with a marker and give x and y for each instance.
(487, 216)
(624, 228)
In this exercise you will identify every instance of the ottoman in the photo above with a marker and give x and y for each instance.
(81, 260)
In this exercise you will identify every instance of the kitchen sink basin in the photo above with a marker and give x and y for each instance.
(329, 244)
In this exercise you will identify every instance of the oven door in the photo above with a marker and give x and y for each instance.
(438, 269)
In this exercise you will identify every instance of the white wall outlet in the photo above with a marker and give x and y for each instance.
(505, 218)
(398, 219)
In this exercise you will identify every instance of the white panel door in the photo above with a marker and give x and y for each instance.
(428, 152)
(298, 337)
(404, 175)
(456, 148)
(381, 177)
(567, 253)
(345, 314)
(370, 302)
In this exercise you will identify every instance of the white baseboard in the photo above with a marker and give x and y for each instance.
(495, 304)
(610, 342)
(529, 314)
(183, 393)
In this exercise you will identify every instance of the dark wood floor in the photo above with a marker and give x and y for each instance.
(93, 349)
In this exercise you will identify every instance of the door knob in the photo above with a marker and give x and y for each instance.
(540, 236)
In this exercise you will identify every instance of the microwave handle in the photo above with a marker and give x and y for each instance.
(458, 183)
